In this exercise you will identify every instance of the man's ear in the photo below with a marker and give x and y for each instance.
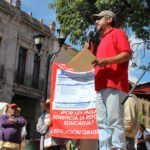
(110, 20)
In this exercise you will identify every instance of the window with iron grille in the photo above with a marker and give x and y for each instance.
(0, 40)
(36, 71)
(21, 65)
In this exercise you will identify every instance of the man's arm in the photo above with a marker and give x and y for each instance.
(20, 121)
(120, 58)
(7, 121)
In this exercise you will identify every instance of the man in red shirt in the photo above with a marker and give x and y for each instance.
(111, 80)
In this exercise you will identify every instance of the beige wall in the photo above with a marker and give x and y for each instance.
(144, 112)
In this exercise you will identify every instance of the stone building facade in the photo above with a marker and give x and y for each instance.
(143, 93)
(144, 112)
(22, 73)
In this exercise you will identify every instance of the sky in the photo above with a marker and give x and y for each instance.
(39, 9)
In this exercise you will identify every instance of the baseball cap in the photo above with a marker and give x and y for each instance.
(102, 14)
(12, 105)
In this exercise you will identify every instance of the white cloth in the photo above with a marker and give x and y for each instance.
(47, 119)
(45, 132)
(23, 132)
(2, 107)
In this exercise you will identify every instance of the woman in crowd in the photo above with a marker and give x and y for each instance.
(142, 138)
(43, 127)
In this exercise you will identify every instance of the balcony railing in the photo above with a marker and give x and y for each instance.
(1, 71)
(27, 81)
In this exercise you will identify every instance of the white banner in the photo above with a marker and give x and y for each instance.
(2, 107)
(74, 91)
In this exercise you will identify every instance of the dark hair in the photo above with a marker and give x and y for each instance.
(142, 126)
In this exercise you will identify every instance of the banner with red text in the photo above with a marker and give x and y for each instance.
(73, 111)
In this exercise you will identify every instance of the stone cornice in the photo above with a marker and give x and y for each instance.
(27, 91)
(25, 18)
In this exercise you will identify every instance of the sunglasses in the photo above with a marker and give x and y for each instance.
(98, 18)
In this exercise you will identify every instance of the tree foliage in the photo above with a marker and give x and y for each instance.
(74, 16)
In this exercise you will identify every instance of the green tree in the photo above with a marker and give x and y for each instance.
(74, 16)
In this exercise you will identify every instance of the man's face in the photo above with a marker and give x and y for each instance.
(102, 23)
(13, 111)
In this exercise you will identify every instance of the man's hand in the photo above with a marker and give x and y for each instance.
(86, 46)
(102, 62)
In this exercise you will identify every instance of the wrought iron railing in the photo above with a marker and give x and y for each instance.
(1, 71)
(27, 80)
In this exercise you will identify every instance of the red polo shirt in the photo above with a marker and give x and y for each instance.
(113, 75)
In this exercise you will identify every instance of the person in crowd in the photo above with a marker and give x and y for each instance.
(111, 80)
(43, 127)
(23, 131)
(142, 138)
(131, 119)
(10, 128)
(70, 145)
